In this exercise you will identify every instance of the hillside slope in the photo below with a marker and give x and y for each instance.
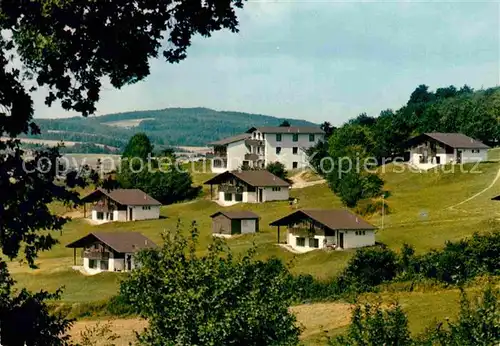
(170, 126)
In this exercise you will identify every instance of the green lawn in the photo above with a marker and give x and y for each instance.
(494, 154)
(419, 216)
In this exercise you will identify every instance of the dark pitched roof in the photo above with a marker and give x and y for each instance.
(232, 139)
(289, 129)
(260, 178)
(497, 198)
(454, 140)
(119, 241)
(331, 218)
(123, 196)
(237, 214)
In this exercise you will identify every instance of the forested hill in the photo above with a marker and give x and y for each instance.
(171, 126)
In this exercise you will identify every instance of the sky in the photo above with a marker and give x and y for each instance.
(321, 60)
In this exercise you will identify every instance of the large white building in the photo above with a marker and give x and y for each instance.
(121, 205)
(312, 229)
(248, 187)
(429, 150)
(260, 146)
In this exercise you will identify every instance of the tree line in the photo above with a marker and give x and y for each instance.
(377, 140)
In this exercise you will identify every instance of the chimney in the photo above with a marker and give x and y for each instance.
(145, 197)
(357, 220)
(145, 242)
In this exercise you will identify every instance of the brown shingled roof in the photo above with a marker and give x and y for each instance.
(119, 241)
(231, 139)
(331, 218)
(123, 196)
(237, 214)
(454, 140)
(259, 178)
(287, 129)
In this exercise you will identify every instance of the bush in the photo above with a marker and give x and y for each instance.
(374, 325)
(368, 268)
(214, 299)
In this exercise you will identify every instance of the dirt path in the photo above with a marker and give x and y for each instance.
(314, 318)
(479, 193)
(299, 182)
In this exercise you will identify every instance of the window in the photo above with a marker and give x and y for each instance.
(100, 215)
(146, 207)
(228, 196)
(277, 188)
(92, 264)
(295, 150)
(295, 164)
(295, 137)
(278, 137)
(311, 138)
(238, 197)
(360, 232)
(475, 151)
(299, 241)
(313, 242)
(278, 150)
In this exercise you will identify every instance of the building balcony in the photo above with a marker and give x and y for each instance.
(230, 189)
(96, 255)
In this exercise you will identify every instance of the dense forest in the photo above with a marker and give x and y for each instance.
(166, 127)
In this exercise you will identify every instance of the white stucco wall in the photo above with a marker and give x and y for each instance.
(469, 156)
(138, 213)
(248, 226)
(236, 155)
(281, 195)
(287, 144)
(351, 240)
(292, 241)
(120, 215)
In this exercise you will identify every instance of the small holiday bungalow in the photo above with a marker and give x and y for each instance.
(121, 205)
(110, 251)
(311, 229)
(248, 187)
(429, 150)
(228, 223)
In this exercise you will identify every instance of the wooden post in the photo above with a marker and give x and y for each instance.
(211, 193)
(84, 210)
(74, 256)
(278, 234)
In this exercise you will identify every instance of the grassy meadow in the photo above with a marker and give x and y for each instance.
(424, 211)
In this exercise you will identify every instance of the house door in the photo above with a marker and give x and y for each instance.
(341, 240)
(459, 156)
(130, 214)
(260, 195)
(128, 262)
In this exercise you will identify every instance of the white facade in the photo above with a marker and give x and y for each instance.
(261, 194)
(108, 265)
(287, 148)
(287, 151)
(462, 155)
(303, 241)
(132, 213)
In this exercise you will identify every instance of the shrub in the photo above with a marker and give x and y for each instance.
(368, 268)
(214, 299)
(374, 325)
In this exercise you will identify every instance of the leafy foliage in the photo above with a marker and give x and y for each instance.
(375, 325)
(138, 146)
(25, 317)
(167, 185)
(278, 169)
(478, 324)
(214, 299)
(99, 334)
